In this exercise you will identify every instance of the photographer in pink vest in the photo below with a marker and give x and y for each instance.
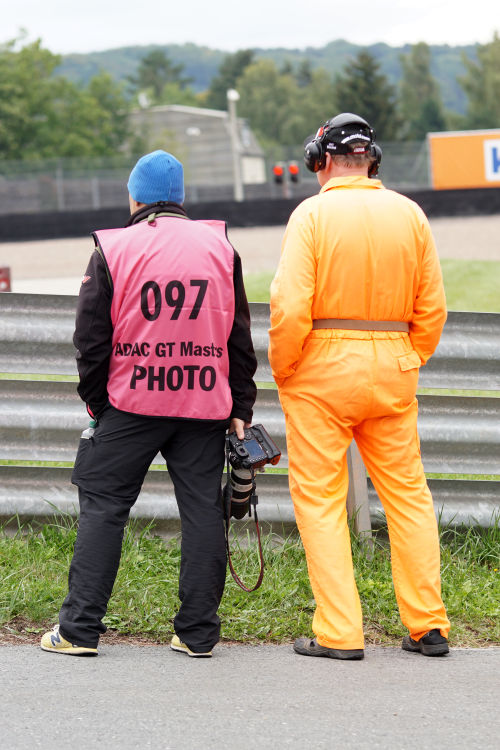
(166, 365)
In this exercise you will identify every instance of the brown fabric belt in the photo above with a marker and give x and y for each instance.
(361, 325)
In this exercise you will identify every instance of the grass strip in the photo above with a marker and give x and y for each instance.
(34, 567)
(470, 285)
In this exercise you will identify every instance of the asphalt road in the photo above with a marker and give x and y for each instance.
(248, 697)
(57, 266)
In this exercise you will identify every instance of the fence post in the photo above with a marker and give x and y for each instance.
(60, 189)
(357, 495)
(95, 192)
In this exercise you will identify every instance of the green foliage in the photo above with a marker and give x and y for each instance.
(320, 102)
(160, 79)
(202, 64)
(109, 99)
(26, 93)
(278, 109)
(304, 74)
(362, 89)
(267, 100)
(481, 84)
(285, 94)
(231, 69)
(34, 567)
(470, 562)
(420, 103)
(43, 115)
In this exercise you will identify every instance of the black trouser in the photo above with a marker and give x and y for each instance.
(109, 472)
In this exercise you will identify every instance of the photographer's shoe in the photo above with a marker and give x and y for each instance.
(308, 647)
(53, 641)
(431, 644)
(177, 645)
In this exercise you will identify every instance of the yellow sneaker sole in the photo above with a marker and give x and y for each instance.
(62, 646)
(177, 645)
(72, 650)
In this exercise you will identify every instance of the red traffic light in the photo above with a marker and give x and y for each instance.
(278, 173)
(293, 171)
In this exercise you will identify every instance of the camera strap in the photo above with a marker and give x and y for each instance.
(227, 519)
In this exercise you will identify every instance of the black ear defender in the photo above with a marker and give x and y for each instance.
(335, 136)
(314, 155)
(376, 152)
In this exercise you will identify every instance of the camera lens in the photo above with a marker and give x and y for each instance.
(241, 484)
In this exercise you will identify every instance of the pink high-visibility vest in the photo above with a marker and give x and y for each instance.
(172, 313)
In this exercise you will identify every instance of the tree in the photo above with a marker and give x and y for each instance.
(110, 101)
(279, 111)
(43, 115)
(271, 103)
(317, 103)
(481, 84)
(363, 90)
(155, 71)
(267, 100)
(230, 70)
(420, 102)
(304, 74)
(26, 92)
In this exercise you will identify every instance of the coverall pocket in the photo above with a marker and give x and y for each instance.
(408, 361)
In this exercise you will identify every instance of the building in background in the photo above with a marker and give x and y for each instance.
(201, 140)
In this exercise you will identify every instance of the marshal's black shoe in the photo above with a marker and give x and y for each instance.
(431, 644)
(308, 647)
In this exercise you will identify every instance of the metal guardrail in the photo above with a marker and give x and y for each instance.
(41, 420)
(35, 494)
(467, 358)
(36, 332)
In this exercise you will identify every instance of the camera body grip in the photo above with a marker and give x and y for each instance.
(254, 451)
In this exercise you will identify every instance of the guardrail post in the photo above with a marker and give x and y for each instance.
(357, 495)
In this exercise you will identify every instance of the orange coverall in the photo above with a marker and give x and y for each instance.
(358, 251)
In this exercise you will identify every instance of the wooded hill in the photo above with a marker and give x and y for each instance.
(201, 64)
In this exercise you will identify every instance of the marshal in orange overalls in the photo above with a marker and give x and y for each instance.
(358, 251)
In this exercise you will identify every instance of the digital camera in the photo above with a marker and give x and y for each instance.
(254, 451)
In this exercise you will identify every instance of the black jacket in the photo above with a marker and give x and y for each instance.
(94, 331)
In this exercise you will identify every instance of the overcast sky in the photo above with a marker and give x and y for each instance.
(92, 25)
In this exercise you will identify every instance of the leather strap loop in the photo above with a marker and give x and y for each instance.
(227, 521)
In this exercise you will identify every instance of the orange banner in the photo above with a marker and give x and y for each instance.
(464, 159)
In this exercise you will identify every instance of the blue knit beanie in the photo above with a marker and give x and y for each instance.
(157, 177)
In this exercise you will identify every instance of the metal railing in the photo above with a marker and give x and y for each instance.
(41, 420)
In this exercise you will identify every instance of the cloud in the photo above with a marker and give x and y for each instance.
(221, 24)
